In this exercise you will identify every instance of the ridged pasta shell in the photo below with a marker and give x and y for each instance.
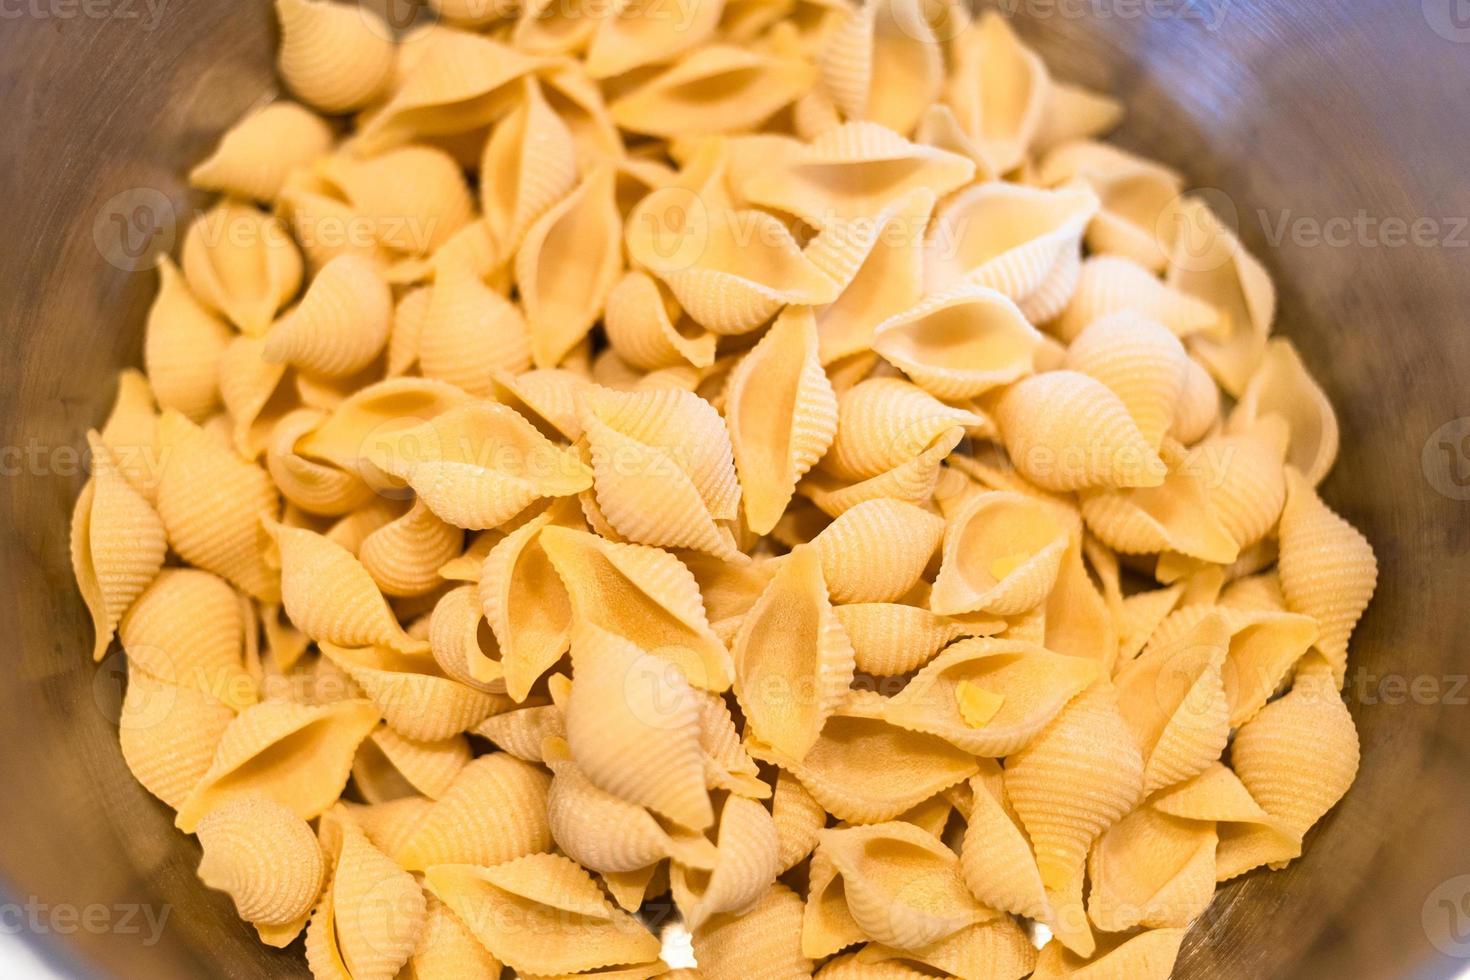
(747, 853)
(647, 329)
(414, 696)
(296, 755)
(529, 164)
(372, 420)
(853, 769)
(995, 856)
(469, 332)
(604, 833)
(912, 482)
(182, 346)
(448, 950)
(855, 171)
(566, 265)
(268, 861)
(1151, 870)
(250, 387)
(523, 731)
(1088, 750)
(877, 550)
(999, 90)
(187, 629)
(903, 888)
(635, 35)
(1141, 361)
(389, 766)
(793, 662)
(212, 502)
(1198, 408)
(643, 594)
(1148, 955)
(960, 343)
(333, 57)
(889, 639)
(715, 89)
(1248, 487)
(782, 416)
(542, 914)
(1134, 194)
(627, 704)
(414, 197)
(989, 697)
(494, 811)
(117, 544)
(1209, 262)
(883, 63)
(1282, 386)
(547, 397)
(341, 324)
(404, 556)
(730, 270)
(727, 766)
(885, 422)
(310, 484)
(240, 261)
(664, 469)
(1328, 570)
(1111, 284)
(168, 735)
(254, 156)
(1002, 554)
(1249, 837)
(849, 967)
(1067, 431)
(462, 644)
(1178, 515)
(131, 432)
(762, 940)
(1075, 113)
(371, 918)
(798, 817)
(998, 947)
(1022, 242)
(331, 597)
(409, 314)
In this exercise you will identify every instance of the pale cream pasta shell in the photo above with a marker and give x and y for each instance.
(529, 164)
(404, 556)
(414, 198)
(296, 755)
(912, 482)
(1147, 955)
(999, 90)
(647, 329)
(168, 734)
(727, 765)
(798, 817)
(1073, 113)
(1002, 555)
(995, 854)
(1178, 515)
(747, 855)
(448, 950)
(522, 731)
(716, 89)
(341, 325)
(251, 389)
(187, 628)
(461, 642)
(960, 343)
(1249, 837)
(131, 432)
(1198, 408)
(389, 766)
(412, 693)
(494, 811)
(885, 422)
(1151, 870)
(314, 486)
(1111, 284)
(1247, 479)
(1134, 193)
(372, 420)
(267, 860)
(1282, 386)
(469, 332)
(1141, 361)
(332, 56)
(182, 346)
(240, 261)
(634, 35)
(890, 639)
(547, 397)
(254, 156)
(883, 63)
(761, 941)
(876, 551)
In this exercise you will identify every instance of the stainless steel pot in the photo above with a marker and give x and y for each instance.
(1330, 126)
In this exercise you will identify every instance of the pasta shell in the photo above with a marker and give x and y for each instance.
(296, 755)
(1110, 284)
(404, 556)
(250, 387)
(1281, 386)
(530, 164)
(745, 866)
(1248, 836)
(182, 348)
(961, 343)
(903, 887)
(548, 398)
(333, 57)
(1141, 362)
(667, 446)
(781, 424)
(414, 696)
(372, 915)
(414, 197)
(643, 594)
(542, 914)
(566, 265)
(240, 261)
(904, 535)
(1198, 408)
(647, 330)
(463, 648)
(989, 697)
(470, 332)
(1148, 955)
(1087, 749)
(762, 940)
(852, 769)
(340, 326)
(525, 602)
(635, 35)
(855, 171)
(255, 155)
(1134, 194)
(999, 90)
(1209, 262)
(312, 485)
(879, 263)
(1151, 870)
(1179, 515)
(523, 731)
(886, 422)
(1328, 570)
(168, 735)
(793, 662)
(186, 628)
(889, 639)
(390, 766)
(730, 270)
(999, 947)
(211, 502)
(1002, 554)
(798, 817)
(627, 704)
(448, 949)
(715, 89)
(374, 419)
(1067, 431)
(268, 861)
(727, 766)
(995, 856)
(1248, 488)
(883, 63)
(494, 811)
(131, 432)
(604, 833)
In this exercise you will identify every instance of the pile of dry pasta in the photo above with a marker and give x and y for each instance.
(759, 455)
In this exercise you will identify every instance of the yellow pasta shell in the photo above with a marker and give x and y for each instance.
(250, 387)
(448, 950)
(960, 343)
(268, 861)
(168, 735)
(182, 346)
(995, 855)
(311, 484)
(634, 35)
(798, 817)
(1134, 193)
(371, 918)
(1282, 386)
(1002, 554)
(332, 57)
(745, 865)
(1148, 955)
(341, 324)
(404, 556)
(885, 422)
(763, 940)
(494, 811)
(240, 261)
(1110, 284)
(877, 550)
(413, 695)
(999, 947)
(1151, 870)
(529, 164)
(645, 327)
(1178, 515)
(911, 482)
(999, 90)
(883, 63)
(131, 432)
(1141, 361)
(187, 629)
(414, 197)
(716, 89)
(255, 155)
(464, 649)
(390, 766)
(469, 332)
(890, 638)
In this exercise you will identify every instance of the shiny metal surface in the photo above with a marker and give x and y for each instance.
(1304, 115)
